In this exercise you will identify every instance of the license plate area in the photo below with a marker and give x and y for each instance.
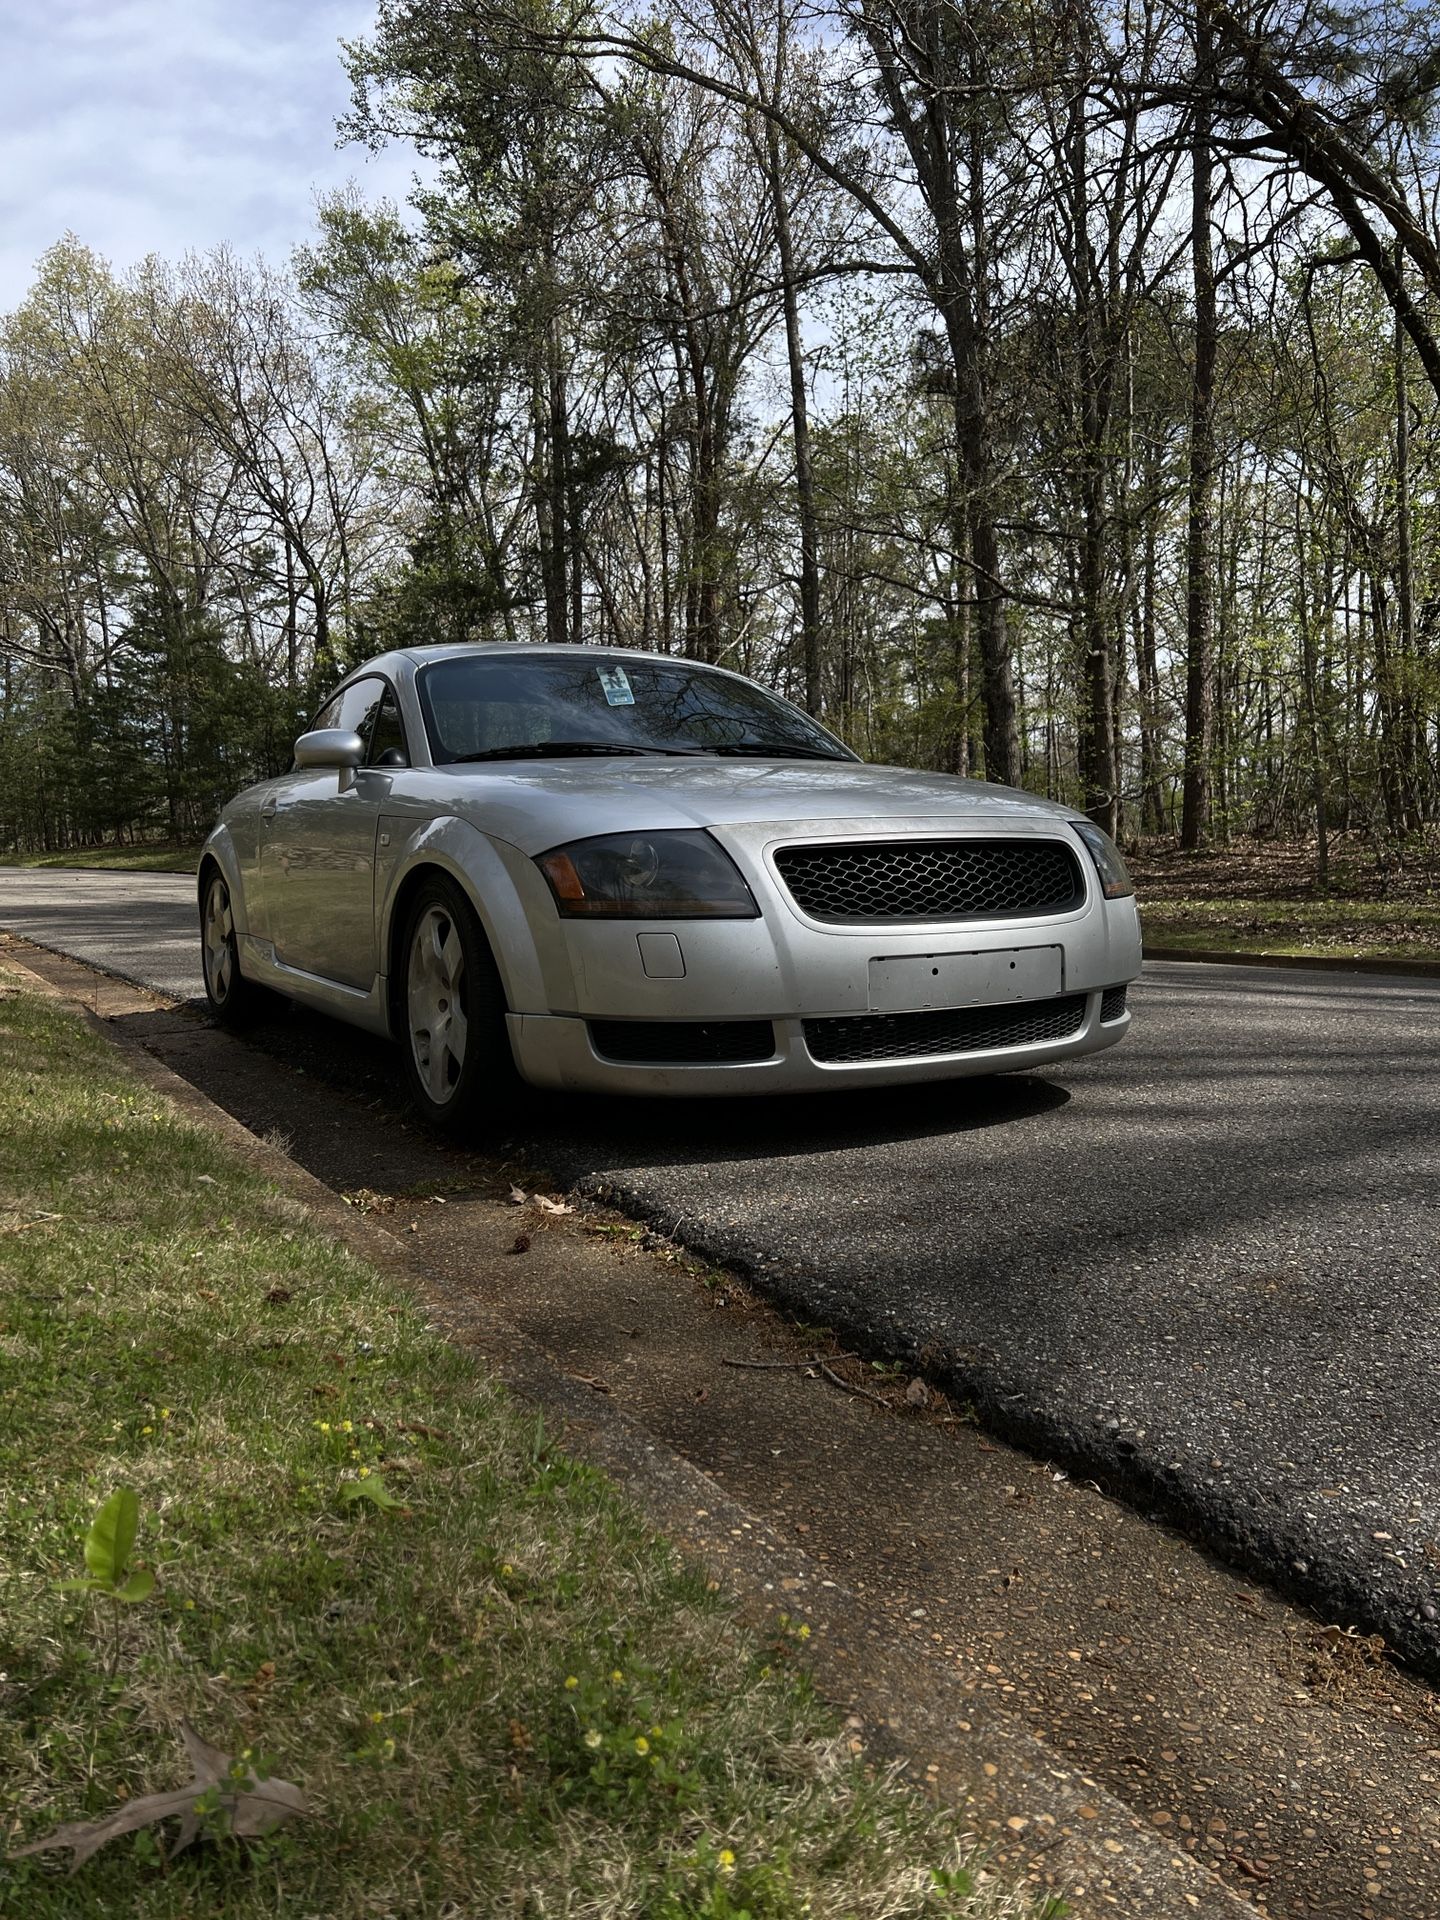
(920, 982)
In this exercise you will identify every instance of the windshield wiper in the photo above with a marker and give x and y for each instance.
(539, 749)
(774, 750)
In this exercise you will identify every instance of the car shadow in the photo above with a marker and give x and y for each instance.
(576, 1134)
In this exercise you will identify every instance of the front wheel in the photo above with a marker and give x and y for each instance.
(234, 1000)
(458, 1061)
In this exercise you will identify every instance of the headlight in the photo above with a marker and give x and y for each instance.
(647, 876)
(1115, 881)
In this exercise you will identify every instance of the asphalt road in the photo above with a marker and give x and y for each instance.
(1203, 1267)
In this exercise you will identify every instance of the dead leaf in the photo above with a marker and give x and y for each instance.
(279, 1297)
(552, 1206)
(518, 1196)
(251, 1808)
(917, 1394)
(521, 1243)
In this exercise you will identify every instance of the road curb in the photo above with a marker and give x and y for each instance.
(1303, 962)
(1048, 1820)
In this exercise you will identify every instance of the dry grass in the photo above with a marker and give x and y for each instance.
(507, 1697)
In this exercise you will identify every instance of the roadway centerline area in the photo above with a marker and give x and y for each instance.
(1201, 1267)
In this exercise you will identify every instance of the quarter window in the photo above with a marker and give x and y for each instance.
(387, 736)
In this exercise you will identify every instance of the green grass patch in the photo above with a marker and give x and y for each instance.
(503, 1694)
(164, 859)
(1320, 927)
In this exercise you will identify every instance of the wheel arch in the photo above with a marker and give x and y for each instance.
(452, 851)
(218, 856)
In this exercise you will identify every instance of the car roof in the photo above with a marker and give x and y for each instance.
(423, 656)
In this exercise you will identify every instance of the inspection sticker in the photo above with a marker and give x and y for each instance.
(615, 683)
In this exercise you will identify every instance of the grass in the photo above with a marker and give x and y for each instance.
(1381, 900)
(1337, 929)
(142, 859)
(504, 1696)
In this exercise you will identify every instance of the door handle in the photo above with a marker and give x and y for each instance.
(268, 812)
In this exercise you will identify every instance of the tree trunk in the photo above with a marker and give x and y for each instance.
(1199, 556)
(800, 432)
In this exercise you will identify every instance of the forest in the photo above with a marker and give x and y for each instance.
(1046, 391)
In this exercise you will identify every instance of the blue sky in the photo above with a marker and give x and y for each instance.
(157, 126)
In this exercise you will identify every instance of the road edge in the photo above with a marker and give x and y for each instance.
(1302, 962)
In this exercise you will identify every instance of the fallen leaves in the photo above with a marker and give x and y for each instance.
(223, 1796)
(542, 1201)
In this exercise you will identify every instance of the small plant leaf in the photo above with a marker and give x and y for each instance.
(373, 1489)
(139, 1586)
(111, 1537)
(81, 1586)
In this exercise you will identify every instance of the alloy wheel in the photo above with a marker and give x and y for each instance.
(219, 942)
(435, 1003)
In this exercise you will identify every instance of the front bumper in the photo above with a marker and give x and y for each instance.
(786, 969)
(557, 1050)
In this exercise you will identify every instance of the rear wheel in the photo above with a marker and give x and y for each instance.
(234, 1000)
(452, 1028)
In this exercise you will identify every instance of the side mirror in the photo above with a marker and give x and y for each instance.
(331, 747)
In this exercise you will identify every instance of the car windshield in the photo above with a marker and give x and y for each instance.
(508, 707)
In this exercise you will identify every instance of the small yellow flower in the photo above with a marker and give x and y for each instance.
(323, 1425)
(147, 1430)
(346, 1426)
(571, 1683)
(657, 1731)
(725, 1860)
(376, 1718)
(802, 1633)
(506, 1570)
(164, 1413)
(592, 1738)
(616, 1677)
(642, 1745)
(189, 1606)
(364, 1473)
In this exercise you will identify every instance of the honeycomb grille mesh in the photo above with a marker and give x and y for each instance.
(899, 880)
(907, 1036)
(691, 1043)
(1112, 1004)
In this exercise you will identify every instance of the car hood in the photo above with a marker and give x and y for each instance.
(538, 803)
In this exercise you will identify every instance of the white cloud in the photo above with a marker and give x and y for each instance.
(157, 126)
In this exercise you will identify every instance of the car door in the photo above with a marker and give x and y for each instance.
(317, 844)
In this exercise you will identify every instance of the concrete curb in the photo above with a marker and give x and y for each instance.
(1051, 1823)
(1304, 962)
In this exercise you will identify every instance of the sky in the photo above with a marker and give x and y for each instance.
(160, 126)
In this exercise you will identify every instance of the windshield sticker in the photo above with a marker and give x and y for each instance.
(615, 683)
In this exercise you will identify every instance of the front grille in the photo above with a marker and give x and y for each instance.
(1112, 1004)
(687, 1043)
(905, 1036)
(898, 880)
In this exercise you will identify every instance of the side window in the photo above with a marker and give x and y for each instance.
(387, 738)
(353, 709)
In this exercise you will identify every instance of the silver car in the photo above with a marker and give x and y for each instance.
(631, 873)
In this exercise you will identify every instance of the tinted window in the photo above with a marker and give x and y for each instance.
(477, 705)
(387, 737)
(353, 709)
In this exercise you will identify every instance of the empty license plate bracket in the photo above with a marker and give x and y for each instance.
(917, 983)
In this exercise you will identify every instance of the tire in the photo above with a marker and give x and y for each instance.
(234, 1000)
(451, 1015)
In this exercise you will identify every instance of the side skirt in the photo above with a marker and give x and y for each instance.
(359, 1006)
